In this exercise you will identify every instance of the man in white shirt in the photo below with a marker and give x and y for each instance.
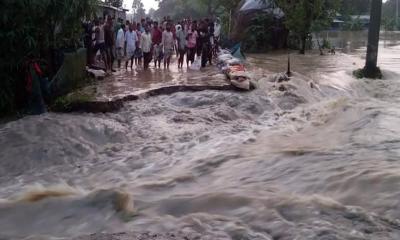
(217, 35)
(181, 39)
(145, 45)
(168, 44)
(131, 40)
(120, 44)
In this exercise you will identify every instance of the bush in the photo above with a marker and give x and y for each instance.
(364, 73)
(326, 44)
(63, 103)
(33, 29)
(389, 24)
(258, 34)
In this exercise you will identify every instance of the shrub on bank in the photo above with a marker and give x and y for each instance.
(35, 29)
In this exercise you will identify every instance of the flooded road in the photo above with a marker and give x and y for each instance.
(318, 160)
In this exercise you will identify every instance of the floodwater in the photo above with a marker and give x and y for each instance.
(319, 160)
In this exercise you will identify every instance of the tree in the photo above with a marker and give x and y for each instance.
(115, 3)
(138, 10)
(151, 13)
(371, 70)
(178, 9)
(196, 9)
(390, 13)
(354, 7)
(211, 6)
(301, 15)
(323, 19)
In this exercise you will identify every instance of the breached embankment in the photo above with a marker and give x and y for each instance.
(116, 104)
(315, 157)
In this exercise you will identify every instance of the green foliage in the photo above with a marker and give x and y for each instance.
(294, 42)
(359, 73)
(389, 15)
(31, 29)
(354, 7)
(65, 102)
(258, 34)
(179, 9)
(196, 9)
(363, 73)
(326, 44)
(115, 3)
(138, 10)
(304, 16)
(389, 24)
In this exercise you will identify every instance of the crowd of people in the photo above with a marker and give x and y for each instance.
(140, 43)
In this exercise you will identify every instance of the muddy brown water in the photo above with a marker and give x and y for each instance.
(308, 163)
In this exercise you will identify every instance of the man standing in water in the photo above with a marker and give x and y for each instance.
(205, 43)
(130, 45)
(120, 44)
(181, 38)
(145, 45)
(100, 42)
(109, 42)
(138, 51)
(168, 45)
(156, 38)
(191, 45)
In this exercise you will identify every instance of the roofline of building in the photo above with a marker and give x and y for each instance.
(112, 7)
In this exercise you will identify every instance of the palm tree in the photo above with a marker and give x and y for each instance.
(371, 70)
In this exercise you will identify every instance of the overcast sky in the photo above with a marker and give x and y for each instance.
(147, 4)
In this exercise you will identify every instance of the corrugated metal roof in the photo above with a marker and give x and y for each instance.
(112, 7)
(267, 6)
(257, 5)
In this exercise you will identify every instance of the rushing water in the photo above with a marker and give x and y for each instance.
(317, 161)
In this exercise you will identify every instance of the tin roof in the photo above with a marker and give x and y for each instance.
(112, 7)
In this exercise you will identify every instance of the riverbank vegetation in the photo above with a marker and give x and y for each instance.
(36, 29)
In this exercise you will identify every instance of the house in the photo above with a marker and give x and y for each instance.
(337, 24)
(104, 9)
(245, 14)
(267, 6)
(362, 19)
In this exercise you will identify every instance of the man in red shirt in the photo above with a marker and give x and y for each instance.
(156, 38)
(156, 34)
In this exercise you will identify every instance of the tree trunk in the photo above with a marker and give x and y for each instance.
(321, 52)
(371, 68)
(209, 8)
(303, 44)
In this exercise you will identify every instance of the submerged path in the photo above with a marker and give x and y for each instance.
(110, 93)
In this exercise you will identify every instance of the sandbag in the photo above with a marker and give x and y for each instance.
(233, 61)
(224, 57)
(96, 73)
(240, 79)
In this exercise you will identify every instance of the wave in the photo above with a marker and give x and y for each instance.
(63, 211)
